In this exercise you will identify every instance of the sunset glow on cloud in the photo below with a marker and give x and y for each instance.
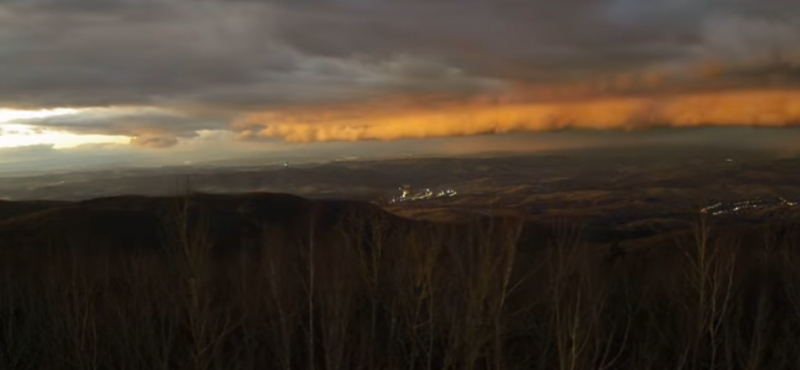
(154, 74)
(776, 108)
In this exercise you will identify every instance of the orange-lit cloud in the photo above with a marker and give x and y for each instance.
(154, 141)
(768, 108)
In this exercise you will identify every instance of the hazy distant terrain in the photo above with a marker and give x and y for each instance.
(680, 259)
(634, 193)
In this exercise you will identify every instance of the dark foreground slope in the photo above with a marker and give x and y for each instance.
(276, 281)
(230, 223)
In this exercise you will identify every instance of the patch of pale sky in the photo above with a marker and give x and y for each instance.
(18, 135)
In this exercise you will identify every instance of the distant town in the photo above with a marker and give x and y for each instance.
(718, 209)
(407, 194)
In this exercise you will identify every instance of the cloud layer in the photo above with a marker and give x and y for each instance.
(769, 108)
(147, 127)
(159, 71)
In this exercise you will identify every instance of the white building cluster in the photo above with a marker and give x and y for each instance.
(736, 207)
(407, 194)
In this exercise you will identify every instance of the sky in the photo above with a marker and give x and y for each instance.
(173, 81)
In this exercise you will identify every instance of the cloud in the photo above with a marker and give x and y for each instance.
(180, 53)
(768, 108)
(238, 54)
(156, 142)
(160, 71)
(148, 127)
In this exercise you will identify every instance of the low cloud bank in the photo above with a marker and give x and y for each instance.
(758, 108)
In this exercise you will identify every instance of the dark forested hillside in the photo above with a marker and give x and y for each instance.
(277, 281)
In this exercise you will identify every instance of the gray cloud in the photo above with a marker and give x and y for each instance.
(90, 52)
(183, 53)
(207, 61)
(130, 121)
(147, 127)
(538, 40)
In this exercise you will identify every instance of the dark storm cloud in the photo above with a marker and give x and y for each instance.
(184, 52)
(546, 40)
(228, 57)
(92, 52)
(512, 39)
